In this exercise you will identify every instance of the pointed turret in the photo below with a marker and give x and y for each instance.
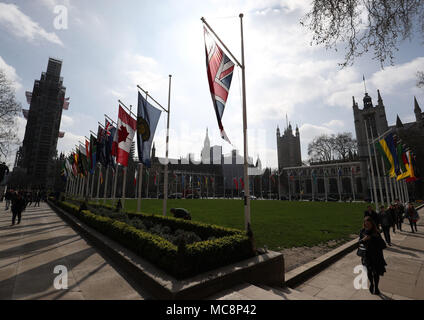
(278, 131)
(297, 131)
(417, 111)
(153, 151)
(399, 123)
(416, 106)
(380, 100)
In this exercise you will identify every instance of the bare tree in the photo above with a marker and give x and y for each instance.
(420, 82)
(362, 25)
(321, 148)
(344, 145)
(9, 109)
(330, 147)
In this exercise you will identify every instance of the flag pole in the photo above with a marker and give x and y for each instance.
(372, 168)
(385, 182)
(165, 181)
(125, 168)
(98, 181)
(377, 166)
(246, 175)
(139, 180)
(223, 44)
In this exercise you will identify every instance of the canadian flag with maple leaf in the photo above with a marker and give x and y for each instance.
(124, 135)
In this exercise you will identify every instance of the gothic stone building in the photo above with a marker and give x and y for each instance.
(351, 178)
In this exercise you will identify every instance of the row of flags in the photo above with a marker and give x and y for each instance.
(399, 161)
(113, 143)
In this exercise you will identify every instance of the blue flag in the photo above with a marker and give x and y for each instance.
(147, 121)
(109, 134)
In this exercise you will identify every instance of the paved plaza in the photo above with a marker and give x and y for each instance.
(404, 278)
(30, 251)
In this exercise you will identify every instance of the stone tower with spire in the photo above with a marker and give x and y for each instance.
(371, 117)
(288, 147)
(206, 153)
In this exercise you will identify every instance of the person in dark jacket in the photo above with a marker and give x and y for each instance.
(37, 198)
(385, 220)
(181, 213)
(392, 211)
(8, 197)
(371, 213)
(372, 257)
(400, 210)
(18, 205)
(412, 215)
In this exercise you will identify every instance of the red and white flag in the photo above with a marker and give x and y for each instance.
(126, 127)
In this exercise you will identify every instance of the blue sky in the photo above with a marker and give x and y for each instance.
(110, 47)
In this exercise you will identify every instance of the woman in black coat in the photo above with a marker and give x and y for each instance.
(371, 252)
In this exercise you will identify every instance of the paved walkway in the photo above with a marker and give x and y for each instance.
(404, 278)
(30, 251)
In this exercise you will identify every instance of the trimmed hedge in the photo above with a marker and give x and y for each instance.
(203, 230)
(181, 261)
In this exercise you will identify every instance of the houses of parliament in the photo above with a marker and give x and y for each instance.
(350, 179)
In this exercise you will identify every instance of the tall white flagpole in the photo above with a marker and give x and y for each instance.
(106, 185)
(140, 178)
(115, 181)
(246, 154)
(372, 168)
(92, 183)
(377, 166)
(385, 182)
(98, 181)
(139, 185)
(165, 186)
(124, 185)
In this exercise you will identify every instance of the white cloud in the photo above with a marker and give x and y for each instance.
(21, 25)
(394, 80)
(11, 74)
(334, 123)
(310, 131)
(51, 4)
(68, 142)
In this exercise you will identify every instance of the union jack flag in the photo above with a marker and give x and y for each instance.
(108, 126)
(220, 73)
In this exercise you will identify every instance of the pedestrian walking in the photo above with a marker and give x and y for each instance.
(392, 211)
(372, 214)
(37, 199)
(385, 220)
(18, 205)
(412, 215)
(400, 211)
(371, 253)
(8, 198)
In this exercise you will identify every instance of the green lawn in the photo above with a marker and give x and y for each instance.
(277, 224)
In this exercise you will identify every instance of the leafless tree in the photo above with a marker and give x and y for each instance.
(9, 109)
(344, 145)
(420, 82)
(332, 147)
(364, 25)
(321, 148)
